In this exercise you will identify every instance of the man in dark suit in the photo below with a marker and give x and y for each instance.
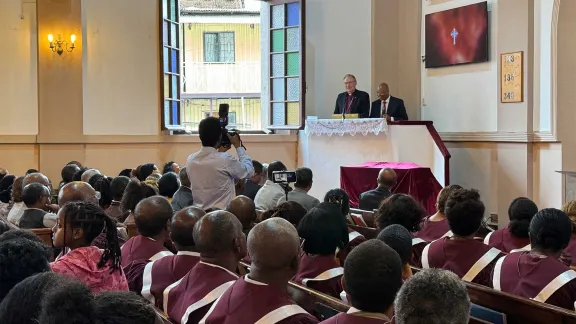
(372, 199)
(388, 107)
(251, 186)
(353, 101)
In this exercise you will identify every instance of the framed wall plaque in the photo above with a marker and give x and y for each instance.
(512, 77)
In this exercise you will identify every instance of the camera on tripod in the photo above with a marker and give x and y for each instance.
(223, 111)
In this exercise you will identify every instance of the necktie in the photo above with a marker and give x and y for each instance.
(349, 100)
(384, 108)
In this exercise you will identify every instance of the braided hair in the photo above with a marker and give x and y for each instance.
(94, 221)
(340, 197)
(101, 184)
(289, 210)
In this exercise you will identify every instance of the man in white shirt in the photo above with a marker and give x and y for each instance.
(268, 196)
(212, 171)
(387, 106)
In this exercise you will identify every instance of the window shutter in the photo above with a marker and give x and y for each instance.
(287, 64)
(171, 64)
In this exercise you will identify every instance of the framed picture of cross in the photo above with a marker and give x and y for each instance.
(512, 77)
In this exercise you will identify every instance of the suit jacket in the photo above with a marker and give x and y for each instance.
(360, 104)
(251, 189)
(396, 109)
(372, 199)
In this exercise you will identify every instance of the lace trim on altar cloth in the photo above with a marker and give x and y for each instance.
(350, 126)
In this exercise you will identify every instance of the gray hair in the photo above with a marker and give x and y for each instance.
(433, 296)
(349, 75)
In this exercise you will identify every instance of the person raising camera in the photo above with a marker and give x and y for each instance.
(212, 170)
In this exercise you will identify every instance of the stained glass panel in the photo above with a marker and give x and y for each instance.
(278, 91)
(173, 10)
(175, 120)
(174, 36)
(293, 64)
(166, 86)
(174, 87)
(293, 85)
(176, 13)
(165, 33)
(293, 113)
(166, 59)
(293, 16)
(278, 40)
(174, 58)
(278, 113)
(293, 39)
(165, 8)
(278, 65)
(278, 16)
(166, 112)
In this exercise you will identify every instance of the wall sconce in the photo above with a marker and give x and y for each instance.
(59, 45)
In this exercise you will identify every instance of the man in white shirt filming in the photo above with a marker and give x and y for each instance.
(212, 171)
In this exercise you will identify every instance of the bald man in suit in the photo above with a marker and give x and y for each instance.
(388, 107)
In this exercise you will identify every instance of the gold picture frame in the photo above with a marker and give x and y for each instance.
(512, 77)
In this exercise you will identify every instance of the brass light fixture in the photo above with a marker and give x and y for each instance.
(59, 45)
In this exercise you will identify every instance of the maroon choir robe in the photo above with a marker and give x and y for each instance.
(354, 239)
(321, 273)
(355, 316)
(571, 249)
(505, 241)
(249, 301)
(188, 300)
(431, 231)
(471, 260)
(160, 274)
(527, 275)
(142, 248)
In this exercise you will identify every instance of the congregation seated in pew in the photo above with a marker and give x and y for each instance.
(291, 211)
(340, 198)
(539, 274)
(222, 244)
(322, 230)
(470, 259)
(159, 274)
(372, 277)
(432, 296)
(152, 217)
(117, 188)
(371, 200)
(79, 223)
(134, 193)
(244, 209)
(36, 197)
(436, 226)
(515, 235)
(16, 212)
(399, 239)
(570, 209)
(260, 296)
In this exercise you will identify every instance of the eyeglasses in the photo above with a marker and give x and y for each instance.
(349, 82)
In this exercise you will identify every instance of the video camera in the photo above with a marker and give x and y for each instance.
(223, 111)
(283, 176)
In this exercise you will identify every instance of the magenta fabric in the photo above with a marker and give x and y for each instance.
(414, 180)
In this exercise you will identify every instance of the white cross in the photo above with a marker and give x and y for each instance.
(454, 34)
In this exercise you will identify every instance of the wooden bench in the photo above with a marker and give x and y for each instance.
(518, 310)
(45, 234)
(367, 215)
(368, 232)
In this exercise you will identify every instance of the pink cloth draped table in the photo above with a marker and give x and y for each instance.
(414, 180)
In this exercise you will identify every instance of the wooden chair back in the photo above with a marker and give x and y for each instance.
(518, 310)
(367, 215)
(45, 234)
(368, 232)
(316, 303)
(131, 229)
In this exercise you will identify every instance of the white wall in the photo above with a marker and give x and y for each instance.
(120, 67)
(338, 41)
(543, 11)
(462, 98)
(18, 63)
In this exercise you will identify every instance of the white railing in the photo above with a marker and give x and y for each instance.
(239, 77)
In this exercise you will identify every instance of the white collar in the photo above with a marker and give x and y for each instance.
(356, 312)
(190, 253)
(388, 99)
(151, 239)
(28, 208)
(208, 149)
(252, 281)
(217, 266)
